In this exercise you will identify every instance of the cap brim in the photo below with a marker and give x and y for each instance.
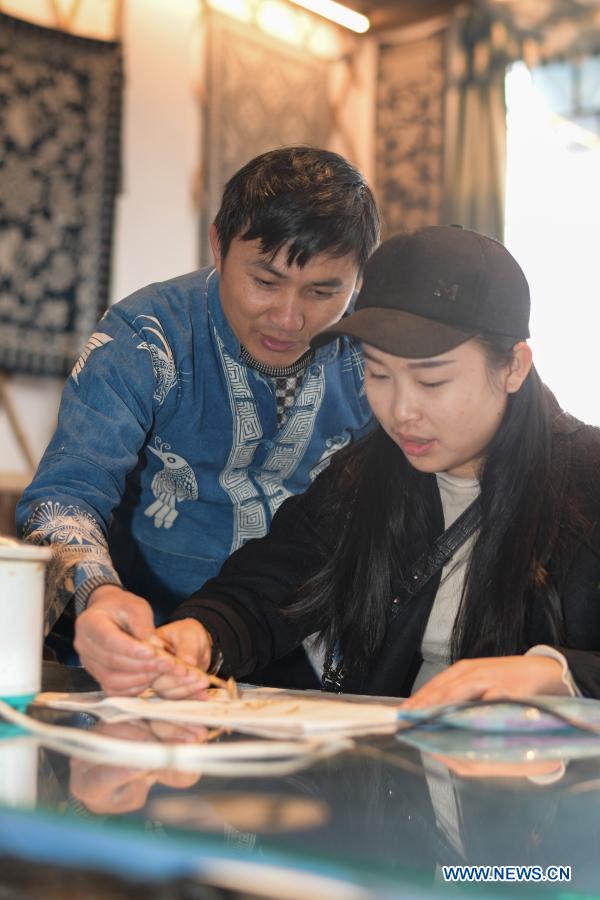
(396, 332)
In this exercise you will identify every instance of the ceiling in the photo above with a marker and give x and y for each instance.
(385, 14)
(526, 14)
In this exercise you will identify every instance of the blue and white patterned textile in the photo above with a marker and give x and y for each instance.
(60, 108)
(168, 455)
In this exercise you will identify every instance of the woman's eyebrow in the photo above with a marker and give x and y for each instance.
(372, 358)
(430, 363)
(417, 364)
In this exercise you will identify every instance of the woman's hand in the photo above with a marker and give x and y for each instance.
(190, 642)
(546, 770)
(491, 678)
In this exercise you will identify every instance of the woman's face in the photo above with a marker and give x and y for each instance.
(444, 411)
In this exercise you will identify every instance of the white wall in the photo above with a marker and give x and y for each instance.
(156, 225)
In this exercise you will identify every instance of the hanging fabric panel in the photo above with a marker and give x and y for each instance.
(60, 112)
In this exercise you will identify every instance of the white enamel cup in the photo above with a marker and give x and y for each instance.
(22, 577)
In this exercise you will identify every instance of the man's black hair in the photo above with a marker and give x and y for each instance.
(313, 200)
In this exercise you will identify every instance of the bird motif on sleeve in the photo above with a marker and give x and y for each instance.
(174, 482)
(163, 362)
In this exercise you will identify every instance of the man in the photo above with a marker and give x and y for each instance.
(197, 408)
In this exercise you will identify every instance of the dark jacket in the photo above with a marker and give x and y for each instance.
(241, 607)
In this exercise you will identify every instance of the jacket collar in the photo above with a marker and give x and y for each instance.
(323, 356)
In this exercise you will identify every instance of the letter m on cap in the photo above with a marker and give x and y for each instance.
(445, 291)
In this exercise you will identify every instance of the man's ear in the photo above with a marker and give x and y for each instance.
(215, 246)
(519, 367)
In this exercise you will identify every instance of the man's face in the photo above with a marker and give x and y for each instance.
(275, 309)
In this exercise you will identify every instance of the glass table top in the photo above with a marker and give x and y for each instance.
(381, 818)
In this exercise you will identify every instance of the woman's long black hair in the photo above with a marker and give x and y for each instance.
(383, 508)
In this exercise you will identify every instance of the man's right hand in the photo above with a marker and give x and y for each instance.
(109, 638)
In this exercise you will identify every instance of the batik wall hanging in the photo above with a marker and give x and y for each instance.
(60, 108)
(261, 94)
(409, 132)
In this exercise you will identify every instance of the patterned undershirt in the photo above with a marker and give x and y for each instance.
(287, 379)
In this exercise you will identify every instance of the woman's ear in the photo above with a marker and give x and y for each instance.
(519, 367)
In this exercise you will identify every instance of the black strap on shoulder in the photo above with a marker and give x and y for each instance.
(441, 551)
(420, 573)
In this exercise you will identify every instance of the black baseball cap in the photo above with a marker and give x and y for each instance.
(426, 292)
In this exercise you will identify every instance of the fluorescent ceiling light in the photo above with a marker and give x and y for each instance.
(336, 13)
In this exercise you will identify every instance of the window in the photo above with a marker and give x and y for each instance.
(553, 221)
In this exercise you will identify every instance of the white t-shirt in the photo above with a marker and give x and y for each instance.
(456, 495)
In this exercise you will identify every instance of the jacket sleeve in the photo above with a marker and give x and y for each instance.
(105, 414)
(242, 607)
(584, 666)
(581, 611)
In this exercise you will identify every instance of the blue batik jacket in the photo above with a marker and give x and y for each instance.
(167, 456)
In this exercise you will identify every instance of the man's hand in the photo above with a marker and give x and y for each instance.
(109, 636)
(190, 642)
(491, 678)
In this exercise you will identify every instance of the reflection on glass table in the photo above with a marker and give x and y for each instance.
(381, 819)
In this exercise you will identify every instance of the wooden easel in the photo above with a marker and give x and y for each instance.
(12, 484)
(65, 18)
(65, 14)
(13, 420)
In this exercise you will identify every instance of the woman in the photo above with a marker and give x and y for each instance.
(453, 554)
